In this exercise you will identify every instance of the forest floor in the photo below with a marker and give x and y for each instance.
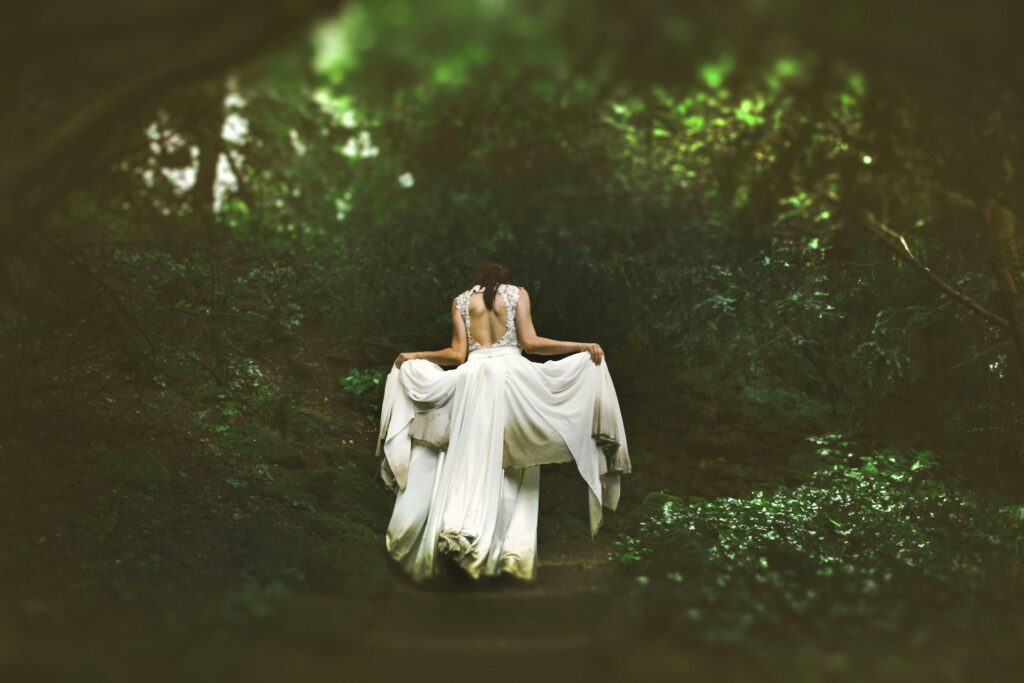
(134, 546)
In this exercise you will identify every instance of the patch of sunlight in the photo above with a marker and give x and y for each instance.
(161, 138)
(858, 84)
(297, 144)
(714, 73)
(183, 179)
(788, 67)
(748, 111)
(359, 146)
(784, 69)
(454, 70)
(340, 107)
(225, 183)
(235, 128)
(633, 105)
(336, 42)
(233, 98)
(695, 122)
(449, 73)
(342, 206)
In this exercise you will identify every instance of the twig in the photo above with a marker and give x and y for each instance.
(897, 244)
(982, 354)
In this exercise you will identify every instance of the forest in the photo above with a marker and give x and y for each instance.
(793, 226)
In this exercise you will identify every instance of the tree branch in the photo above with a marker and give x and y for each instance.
(897, 244)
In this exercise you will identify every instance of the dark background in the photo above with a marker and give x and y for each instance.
(792, 225)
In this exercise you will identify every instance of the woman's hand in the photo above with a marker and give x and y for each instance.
(402, 357)
(595, 351)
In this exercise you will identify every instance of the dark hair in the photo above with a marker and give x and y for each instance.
(489, 276)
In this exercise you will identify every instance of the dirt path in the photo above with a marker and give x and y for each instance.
(559, 614)
(562, 626)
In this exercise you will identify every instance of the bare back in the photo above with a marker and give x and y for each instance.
(489, 327)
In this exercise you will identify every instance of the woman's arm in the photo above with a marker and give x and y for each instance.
(455, 354)
(542, 346)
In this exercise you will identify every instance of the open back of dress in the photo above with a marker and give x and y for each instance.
(505, 301)
(486, 327)
(463, 448)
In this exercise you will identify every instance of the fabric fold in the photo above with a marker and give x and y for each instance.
(462, 449)
(415, 405)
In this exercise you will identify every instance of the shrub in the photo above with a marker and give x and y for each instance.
(867, 540)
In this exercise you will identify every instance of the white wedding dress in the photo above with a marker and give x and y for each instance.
(463, 448)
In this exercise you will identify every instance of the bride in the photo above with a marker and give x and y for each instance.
(463, 448)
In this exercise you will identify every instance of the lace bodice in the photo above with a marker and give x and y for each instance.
(510, 295)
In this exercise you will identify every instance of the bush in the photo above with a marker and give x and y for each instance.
(867, 541)
(366, 386)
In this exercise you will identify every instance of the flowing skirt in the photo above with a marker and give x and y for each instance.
(463, 448)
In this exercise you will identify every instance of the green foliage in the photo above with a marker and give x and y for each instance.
(268, 289)
(251, 443)
(867, 537)
(366, 386)
(246, 383)
(345, 516)
(686, 183)
(359, 381)
(693, 203)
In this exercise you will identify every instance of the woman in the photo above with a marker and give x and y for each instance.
(463, 448)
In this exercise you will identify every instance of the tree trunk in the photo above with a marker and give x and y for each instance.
(210, 147)
(209, 121)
